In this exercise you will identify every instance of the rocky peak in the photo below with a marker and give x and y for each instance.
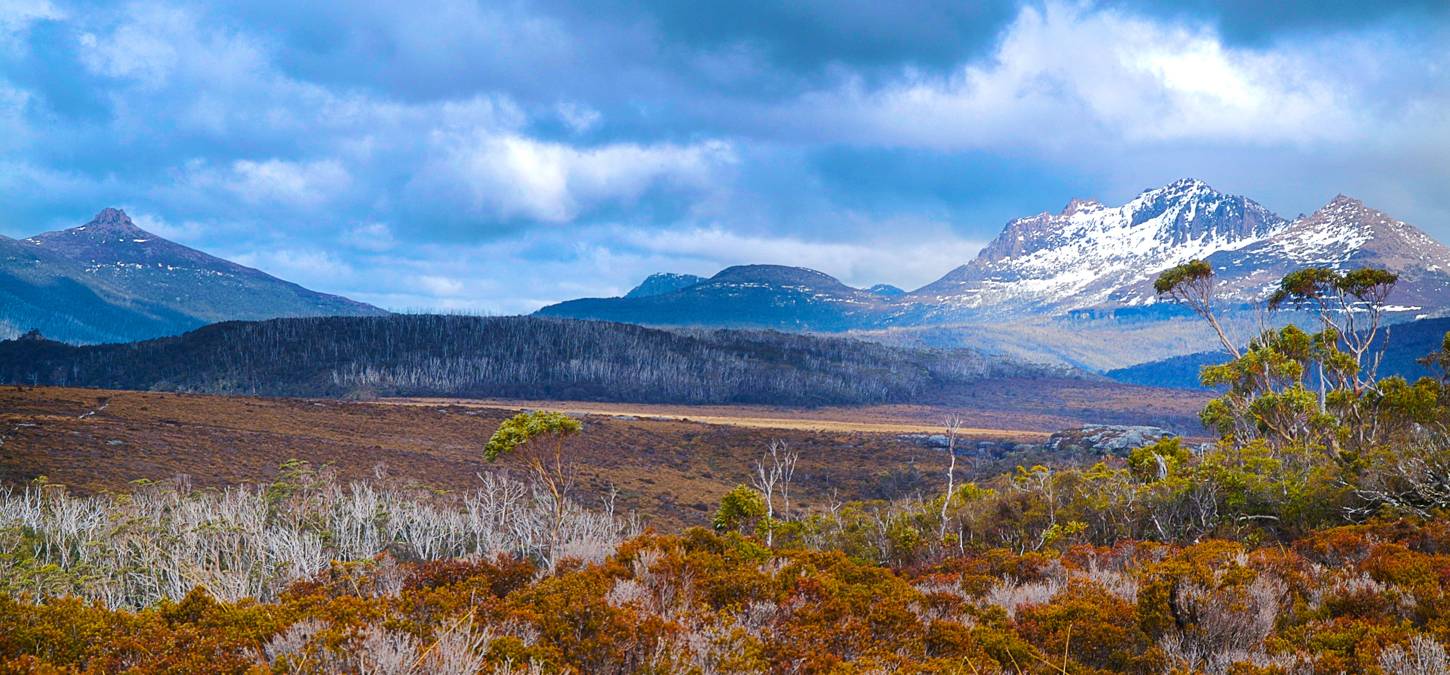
(1346, 213)
(1175, 215)
(662, 283)
(1345, 230)
(1190, 210)
(1078, 204)
(1349, 209)
(111, 220)
(112, 238)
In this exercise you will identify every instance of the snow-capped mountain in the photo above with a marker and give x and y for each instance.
(109, 280)
(1090, 254)
(1343, 234)
(1031, 289)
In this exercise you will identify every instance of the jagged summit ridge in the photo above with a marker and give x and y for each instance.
(1342, 234)
(1081, 255)
(1087, 256)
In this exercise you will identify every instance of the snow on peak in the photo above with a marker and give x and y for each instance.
(1077, 205)
(1082, 255)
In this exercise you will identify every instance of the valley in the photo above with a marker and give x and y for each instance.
(670, 464)
(1028, 337)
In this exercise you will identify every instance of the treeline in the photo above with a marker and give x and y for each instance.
(526, 357)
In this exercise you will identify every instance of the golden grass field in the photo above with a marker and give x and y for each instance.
(750, 417)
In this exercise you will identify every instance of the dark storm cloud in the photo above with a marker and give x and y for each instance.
(813, 35)
(1256, 22)
(498, 156)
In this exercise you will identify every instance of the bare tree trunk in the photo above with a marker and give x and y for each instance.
(779, 472)
(953, 425)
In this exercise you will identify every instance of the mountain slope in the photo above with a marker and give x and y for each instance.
(1343, 234)
(1088, 254)
(199, 285)
(746, 296)
(110, 281)
(1085, 256)
(1092, 256)
(48, 292)
(1066, 287)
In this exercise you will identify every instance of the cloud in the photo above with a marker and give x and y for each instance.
(578, 117)
(298, 183)
(306, 266)
(507, 175)
(16, 16)
(154, 43)
(1065, 77)
(909, 262)
(1256, 24)
(437, 286)
(375, 237)
(364, 148)
(185, 232)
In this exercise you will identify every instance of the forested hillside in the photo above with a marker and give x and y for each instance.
(1404, 345)
(430, 355)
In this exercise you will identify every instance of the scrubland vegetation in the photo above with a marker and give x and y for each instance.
(308, 576)
(1311, 537)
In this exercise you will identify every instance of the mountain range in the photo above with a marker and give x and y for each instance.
(1072, 287)
(1065, 286)
(111, 281)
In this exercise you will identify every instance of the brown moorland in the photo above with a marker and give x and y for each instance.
(672, 471)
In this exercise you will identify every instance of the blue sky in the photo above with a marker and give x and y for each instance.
(494, 157)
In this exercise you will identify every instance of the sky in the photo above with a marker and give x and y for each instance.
(495, 157)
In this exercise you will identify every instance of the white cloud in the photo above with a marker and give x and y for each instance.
(1065, 77)
(375, 237)
(909, 262)
(16, 16)
(296, 183)
(185, 231)
(15, 131)
(154, 43)
(578, 117)
(273, 183)
(309, 267)
(437, 286)
(508, 175)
